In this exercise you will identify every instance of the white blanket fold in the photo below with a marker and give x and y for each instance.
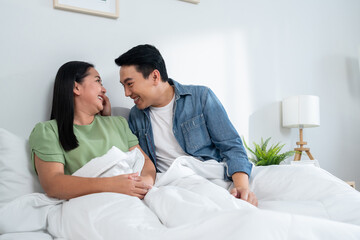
(191, 201)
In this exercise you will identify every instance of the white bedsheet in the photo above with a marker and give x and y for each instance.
(191, 201)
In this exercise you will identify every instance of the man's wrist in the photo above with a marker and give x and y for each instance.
(240, 180)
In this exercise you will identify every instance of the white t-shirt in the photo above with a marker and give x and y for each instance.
(166, 146)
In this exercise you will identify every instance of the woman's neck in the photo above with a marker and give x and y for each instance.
(81, 118)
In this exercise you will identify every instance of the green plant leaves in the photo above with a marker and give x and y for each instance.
(264, 157)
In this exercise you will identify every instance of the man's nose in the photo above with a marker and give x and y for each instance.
(127, 91)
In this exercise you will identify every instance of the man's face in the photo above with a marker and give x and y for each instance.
(138, 88)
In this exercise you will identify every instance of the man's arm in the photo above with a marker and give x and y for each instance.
(224, 135)
(228, 141)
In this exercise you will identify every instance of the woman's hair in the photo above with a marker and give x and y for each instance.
(63, 100)
(146, 58)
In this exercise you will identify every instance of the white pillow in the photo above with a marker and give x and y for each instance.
(17, 176)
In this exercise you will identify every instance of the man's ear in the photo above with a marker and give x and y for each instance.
(156, 77)
(76, 89)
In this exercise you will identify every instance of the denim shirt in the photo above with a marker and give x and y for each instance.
(201, 127)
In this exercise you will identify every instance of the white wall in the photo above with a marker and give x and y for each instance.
(251, 53)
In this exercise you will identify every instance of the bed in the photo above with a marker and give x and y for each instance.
(189, 201)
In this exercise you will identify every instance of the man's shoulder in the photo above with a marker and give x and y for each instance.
(134, 111)
(136, 116)
(190, 88)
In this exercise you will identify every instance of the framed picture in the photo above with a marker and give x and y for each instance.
(192, 1)
(104, 8)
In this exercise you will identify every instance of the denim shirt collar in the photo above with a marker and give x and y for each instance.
(179, 89)
(179, 92)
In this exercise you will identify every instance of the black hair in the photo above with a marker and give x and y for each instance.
(146, 58)
(63, 100)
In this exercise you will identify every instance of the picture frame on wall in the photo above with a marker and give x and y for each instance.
(192, 1)
(103, 8)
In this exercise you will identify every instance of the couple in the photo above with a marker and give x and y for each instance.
(168, 121)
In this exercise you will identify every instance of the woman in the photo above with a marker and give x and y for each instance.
(77, 133)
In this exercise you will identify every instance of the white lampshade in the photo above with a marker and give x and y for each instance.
(301, 111)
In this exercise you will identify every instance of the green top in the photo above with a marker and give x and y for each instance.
(94, 140)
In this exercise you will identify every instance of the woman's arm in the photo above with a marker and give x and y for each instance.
(148, 173)
(57, 184)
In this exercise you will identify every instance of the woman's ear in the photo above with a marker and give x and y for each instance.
(76, 89)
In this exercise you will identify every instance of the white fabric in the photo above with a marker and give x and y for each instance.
(188, 203)
(113, 163)
(17, 177)
(166, 145)
(306, 190)
(27, 236)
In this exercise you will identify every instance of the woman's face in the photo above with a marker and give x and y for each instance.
(90, 93)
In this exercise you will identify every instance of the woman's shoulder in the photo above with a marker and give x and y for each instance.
(46, 124)
(44, 128)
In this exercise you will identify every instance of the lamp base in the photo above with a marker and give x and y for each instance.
(301, 148)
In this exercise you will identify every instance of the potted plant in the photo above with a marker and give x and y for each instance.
(264, 156)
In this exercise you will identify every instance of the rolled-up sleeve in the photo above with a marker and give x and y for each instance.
(224, 136)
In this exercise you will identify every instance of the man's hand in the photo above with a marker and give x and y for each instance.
(244, 194)
(107, 106)
(241, 188)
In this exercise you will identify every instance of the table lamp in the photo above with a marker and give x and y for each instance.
(301, 111)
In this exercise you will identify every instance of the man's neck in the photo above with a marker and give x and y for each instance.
(166, 94)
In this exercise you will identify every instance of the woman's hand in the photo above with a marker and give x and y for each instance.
(107, 106)
(132, 184)
(148, 179)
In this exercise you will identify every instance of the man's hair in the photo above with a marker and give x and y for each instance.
(63, 100)
(146, 58)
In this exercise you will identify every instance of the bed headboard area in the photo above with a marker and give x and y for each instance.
(120, 111)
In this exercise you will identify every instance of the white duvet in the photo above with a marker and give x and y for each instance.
(191, 201)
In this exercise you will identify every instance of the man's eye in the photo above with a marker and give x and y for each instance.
(130, 84)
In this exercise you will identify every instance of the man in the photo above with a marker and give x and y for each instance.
(172, 120)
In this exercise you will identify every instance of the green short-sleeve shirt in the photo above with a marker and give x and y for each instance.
(94, 140)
